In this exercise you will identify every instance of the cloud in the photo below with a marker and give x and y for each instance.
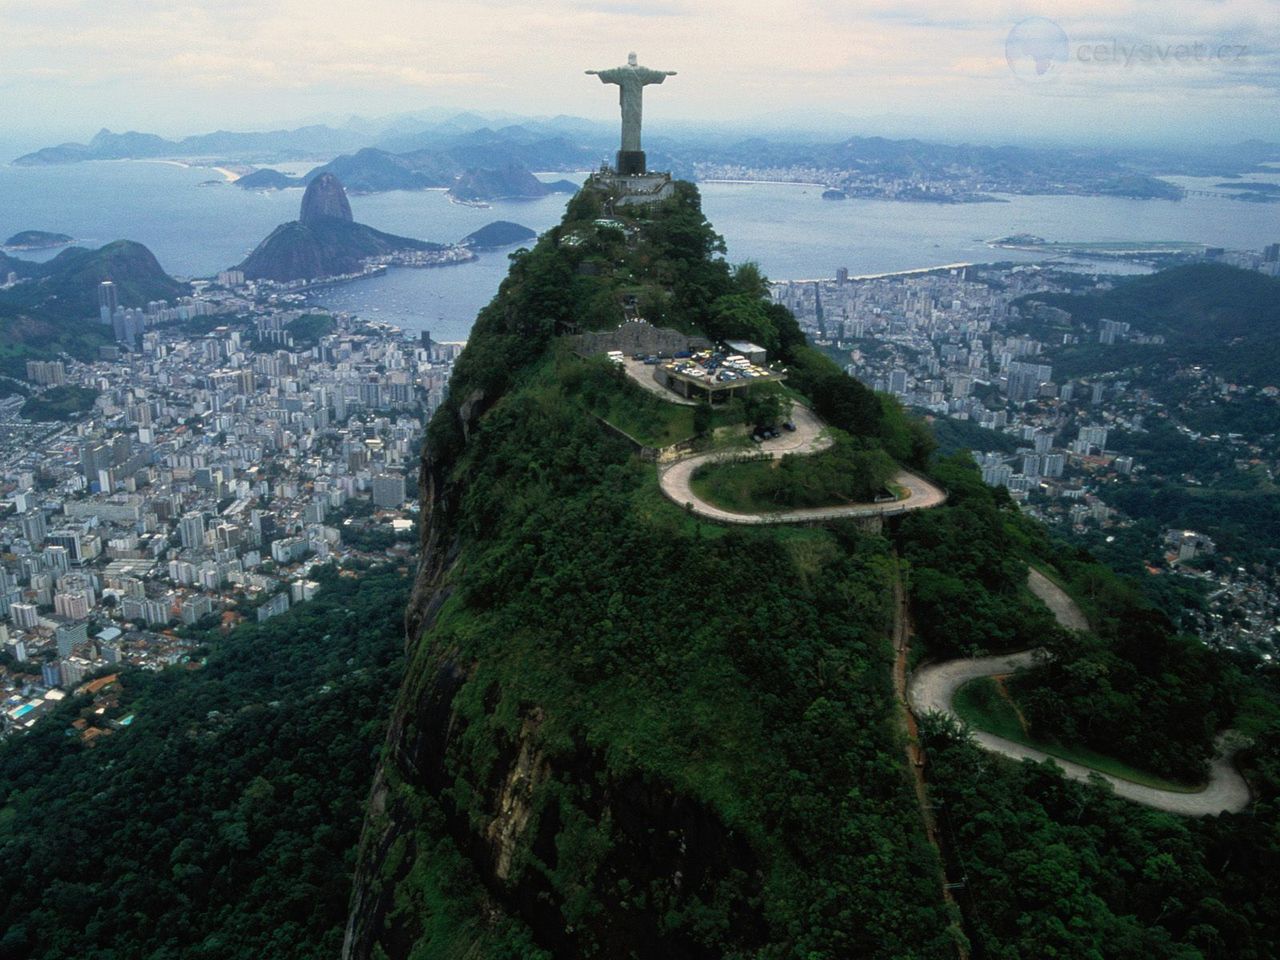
(634, 8)
(182, 59)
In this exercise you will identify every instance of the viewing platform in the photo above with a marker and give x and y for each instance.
(632, 189)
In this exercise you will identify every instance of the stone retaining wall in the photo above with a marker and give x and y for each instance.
(637, 336)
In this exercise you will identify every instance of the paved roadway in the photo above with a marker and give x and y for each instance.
(642, 373)
(933, 687)
(808, 437)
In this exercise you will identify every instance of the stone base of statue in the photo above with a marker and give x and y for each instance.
(628, 189)
(631, 163)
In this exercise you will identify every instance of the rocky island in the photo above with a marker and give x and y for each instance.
(36, 240)
(268, 179)
(1252, 190)
(325, 241)
(500, 233)
(512, 182)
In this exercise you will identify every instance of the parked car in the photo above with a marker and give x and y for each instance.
(788, 426)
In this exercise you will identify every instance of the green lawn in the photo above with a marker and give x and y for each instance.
(653, 423)
(736, 486)
(642, 415)
(837, 476)
(981, 704)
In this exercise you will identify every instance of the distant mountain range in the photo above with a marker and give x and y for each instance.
(412, 154)
(572, 145)
(275, 145)
(372, 171)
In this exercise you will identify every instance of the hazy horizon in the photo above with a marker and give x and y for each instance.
(1120, 73)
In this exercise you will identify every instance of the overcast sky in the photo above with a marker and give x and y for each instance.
(936, 69)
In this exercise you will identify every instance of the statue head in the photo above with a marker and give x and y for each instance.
(631, 59)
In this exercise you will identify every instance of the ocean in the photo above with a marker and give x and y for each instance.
(196, 224)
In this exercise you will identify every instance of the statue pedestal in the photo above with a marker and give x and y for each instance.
(631, 163)
(628, 189)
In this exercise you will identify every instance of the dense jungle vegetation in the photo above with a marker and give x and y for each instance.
(221, 823)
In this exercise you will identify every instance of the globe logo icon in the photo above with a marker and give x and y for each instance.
(1035, 48)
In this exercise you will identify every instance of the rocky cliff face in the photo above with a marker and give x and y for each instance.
(503, 811)
(662, 838)
(325, 197)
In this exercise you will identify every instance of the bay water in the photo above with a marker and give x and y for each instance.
(197, 223)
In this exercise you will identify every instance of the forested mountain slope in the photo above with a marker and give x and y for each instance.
(628, 732)
(218, 824)
(624, 732)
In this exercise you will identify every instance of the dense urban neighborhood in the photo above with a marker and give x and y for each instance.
(973, 347)
(192, 477)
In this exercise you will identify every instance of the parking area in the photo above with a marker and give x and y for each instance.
(714, 375)
(642, 374)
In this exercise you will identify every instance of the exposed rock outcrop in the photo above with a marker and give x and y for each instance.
(325, 198)
(325, 241)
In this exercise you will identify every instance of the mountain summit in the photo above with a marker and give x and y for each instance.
(325, 240)
(325, 198)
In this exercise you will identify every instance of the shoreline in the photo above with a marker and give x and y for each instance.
(1103, 249)
(785, 183)
(229, 175)
(1081, 257)
(891, 273)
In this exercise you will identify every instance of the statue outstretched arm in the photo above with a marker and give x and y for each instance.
(647, 76)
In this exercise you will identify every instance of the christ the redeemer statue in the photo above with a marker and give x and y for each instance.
(631, 80)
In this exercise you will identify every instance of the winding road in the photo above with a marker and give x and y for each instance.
(808, 437)
(932, 689)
